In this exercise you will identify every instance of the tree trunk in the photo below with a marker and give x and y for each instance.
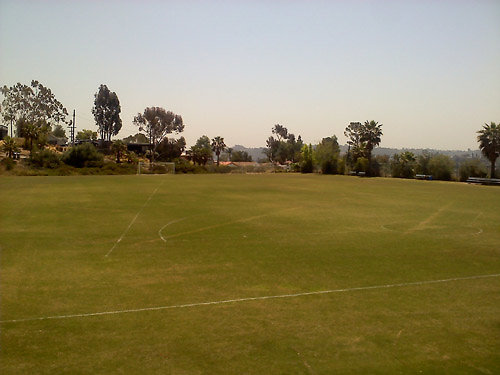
(217, 159)
(492, 171)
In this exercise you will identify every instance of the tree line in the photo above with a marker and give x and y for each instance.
(39, 118)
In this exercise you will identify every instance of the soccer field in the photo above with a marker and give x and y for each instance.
(248, 274)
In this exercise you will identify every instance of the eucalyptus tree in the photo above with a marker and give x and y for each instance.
(218, 146)
(106, 113)
(157, 123)
(34, 104)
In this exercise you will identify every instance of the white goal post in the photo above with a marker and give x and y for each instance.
(158, 167)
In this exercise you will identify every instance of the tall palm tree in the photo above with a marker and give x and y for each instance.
(371, 136)
(218, 146)
(489, 143)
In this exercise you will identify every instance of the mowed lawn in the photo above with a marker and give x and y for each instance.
(91, 244)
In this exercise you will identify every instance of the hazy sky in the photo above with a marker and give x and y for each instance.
(428, 70)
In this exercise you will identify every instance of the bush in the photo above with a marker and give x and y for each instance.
(84, 155)
(8, 163)
(184, 166)
(46, 159)
(472, 168)
(441, 167)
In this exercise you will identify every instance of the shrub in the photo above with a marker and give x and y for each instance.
(472, 168)
(184, 166)
(8, 163)
(84, 155)
(46, 159)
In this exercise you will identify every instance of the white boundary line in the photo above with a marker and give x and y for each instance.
(243, 220)
(166, 225)
(133, 220)
(415, 283)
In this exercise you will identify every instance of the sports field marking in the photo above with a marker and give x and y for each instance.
(202, 229)
(166, 225)
(423, 224)
(415, 283)
(134, 219)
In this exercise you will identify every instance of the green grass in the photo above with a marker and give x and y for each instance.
(248, 236)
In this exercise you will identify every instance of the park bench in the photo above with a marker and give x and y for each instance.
(354, 173)
(483, 181)
(423, 177)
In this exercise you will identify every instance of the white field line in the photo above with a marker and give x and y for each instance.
(202, 229)
(415, 283)
(134, 219)
(166, 225)
(423, 224)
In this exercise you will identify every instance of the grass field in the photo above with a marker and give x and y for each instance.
(92, 244)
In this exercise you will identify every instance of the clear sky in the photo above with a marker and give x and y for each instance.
(429, 71)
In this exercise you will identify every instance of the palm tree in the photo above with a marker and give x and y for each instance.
(9, 146)
(371, 136)
(218, 146)
(489, 143)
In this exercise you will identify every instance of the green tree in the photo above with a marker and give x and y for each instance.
(371, 136)
(33, 133)
(353, 133)
(307, 164)
(119, 148)
(285, 147)
(34, 104)
(9, 146)
(84, 155)
(472, 168)
(58, 131)
(441, 167)
(403, 165)
(171, 148)
(201, 152)
(362, 139)
(106, 113)
(423, 163)
(489, 143)
(238, 156)
(218, 146)
(157, 123)
(86, 135)
(326, 154)
(137, 138)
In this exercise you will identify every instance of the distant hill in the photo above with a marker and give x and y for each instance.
(258, 152)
